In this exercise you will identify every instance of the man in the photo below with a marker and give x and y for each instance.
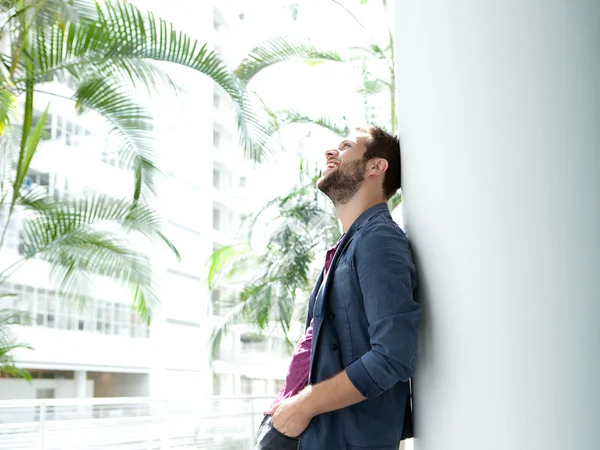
(348, 383)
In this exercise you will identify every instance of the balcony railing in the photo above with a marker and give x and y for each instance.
(216, 423)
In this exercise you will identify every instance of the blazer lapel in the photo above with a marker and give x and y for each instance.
(321, 294)
(312, 298)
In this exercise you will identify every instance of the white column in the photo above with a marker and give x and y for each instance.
(80, 383)
(499, 120)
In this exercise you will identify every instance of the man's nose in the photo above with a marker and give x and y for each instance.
(332, 153)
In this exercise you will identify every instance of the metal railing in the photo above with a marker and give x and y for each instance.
(216, 423)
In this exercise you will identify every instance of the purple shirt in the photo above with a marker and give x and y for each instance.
(297, 376)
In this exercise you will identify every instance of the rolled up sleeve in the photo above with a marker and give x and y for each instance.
(387, 280)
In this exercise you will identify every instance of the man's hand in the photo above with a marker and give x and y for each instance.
(293, 415)
(290, 417)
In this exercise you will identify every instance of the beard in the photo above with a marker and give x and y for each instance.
(344, 182)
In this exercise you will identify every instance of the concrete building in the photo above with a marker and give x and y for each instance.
(207, 188)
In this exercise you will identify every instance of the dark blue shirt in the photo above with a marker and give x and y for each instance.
(365, 321)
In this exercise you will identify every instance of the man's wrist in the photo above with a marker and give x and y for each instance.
(306, 401)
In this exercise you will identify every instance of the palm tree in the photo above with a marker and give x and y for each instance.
(9, 342)
(104, 50)
(281, 273)
(275, 277)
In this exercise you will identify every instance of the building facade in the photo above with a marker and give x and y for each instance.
(206, 189)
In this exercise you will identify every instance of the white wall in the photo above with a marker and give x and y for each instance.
(18, 389)
(73, 350)
(499, 111)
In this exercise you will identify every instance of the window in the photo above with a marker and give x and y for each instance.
(217, 138)
(59, 127)
(223, 384)
(70, 133)
(254, 386)
(48, 310)
(217, 178)
(217, 219)
(253, 343)
(242, 182)
(35, 178)
(222, 178)
(12, 238)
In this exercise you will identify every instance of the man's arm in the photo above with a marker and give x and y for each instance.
(292, 416)
(387, 280)
(335, 393)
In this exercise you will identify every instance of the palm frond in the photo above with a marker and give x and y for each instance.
(374, 47)
(63, 217)
(142, 73)
(7, 107)
(30, 148)
(373, 51)
(130, 125)
(14, 317)
(122, 36)
(373, 86)
(289, 116)
(282, 272)
(224, 260)
(9, 343)
(277, 50)
(234, 316)
(87, 238)
(81, 256)
(63, 11)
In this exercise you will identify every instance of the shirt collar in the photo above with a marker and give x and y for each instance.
(369, 214)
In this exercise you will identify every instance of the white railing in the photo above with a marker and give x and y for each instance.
(216, 423)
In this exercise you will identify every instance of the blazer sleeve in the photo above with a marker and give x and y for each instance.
(387, 279)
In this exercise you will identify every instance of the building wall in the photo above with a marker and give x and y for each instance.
(15, 389)
(206, 189)
(499, 106)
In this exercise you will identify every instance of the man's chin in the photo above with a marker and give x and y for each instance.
(320, 183)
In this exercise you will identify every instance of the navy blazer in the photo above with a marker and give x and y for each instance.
(365, 321)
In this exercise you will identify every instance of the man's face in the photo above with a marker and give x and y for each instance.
(345, 169)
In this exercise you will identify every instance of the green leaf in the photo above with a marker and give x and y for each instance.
(130, 125)
(280, 276)
(88, 238)
(119, 46)
(395, 201)
(281, 49)
(30, 148)
(289, 116)
(7, 107)
(373, 87)
(9, 343)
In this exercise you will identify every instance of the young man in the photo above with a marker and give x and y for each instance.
(348, 382)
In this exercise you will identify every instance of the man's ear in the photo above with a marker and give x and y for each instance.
(377, 166)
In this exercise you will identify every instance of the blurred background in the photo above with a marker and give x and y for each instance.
(160, 229)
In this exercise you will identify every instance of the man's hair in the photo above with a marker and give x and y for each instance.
(387, 146)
